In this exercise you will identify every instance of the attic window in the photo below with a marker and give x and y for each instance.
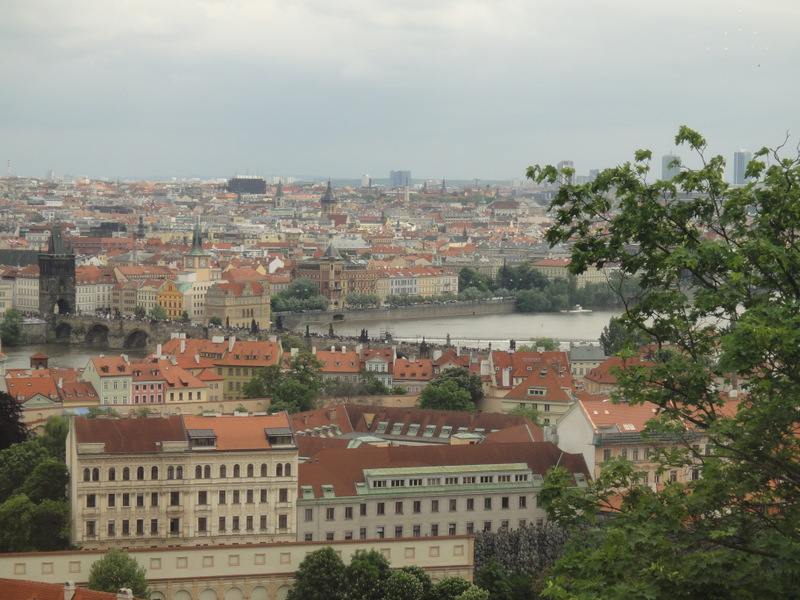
(479, 430)
(397, 428)
(445, 431)
(202, 438)
(628, 427)
(382, 427)
(413, 429)
(461, 430)
(429, 429)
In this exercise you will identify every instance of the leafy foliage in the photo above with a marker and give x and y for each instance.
(446, 395)
(117, 570)
(529, 549)
(549, 344)
(12, 427)
(718, 269)
(319, 577)
(158, 313)
(11, 328)
(294, 390)
(616, 337)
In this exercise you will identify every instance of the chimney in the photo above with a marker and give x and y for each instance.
(61, 383)
(506, 378)
(344, 350)
(124, 594)
(69, 590)
(231, 341)
(158, 349)
(332, 413)
(333, 349)
(183, 345)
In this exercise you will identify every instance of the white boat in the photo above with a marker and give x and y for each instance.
(577, 309)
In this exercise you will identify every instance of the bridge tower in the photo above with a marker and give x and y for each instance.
(56, 277)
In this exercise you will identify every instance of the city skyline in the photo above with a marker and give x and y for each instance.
(458, 90)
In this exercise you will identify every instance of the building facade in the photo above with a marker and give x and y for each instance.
(182, 481)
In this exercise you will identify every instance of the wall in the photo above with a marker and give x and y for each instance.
(255, 571)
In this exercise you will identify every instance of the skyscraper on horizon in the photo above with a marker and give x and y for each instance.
(740, 160)
(668, 169)
(399, 178)
(567, 164)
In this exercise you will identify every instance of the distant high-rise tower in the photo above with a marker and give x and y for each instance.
(740, 160)
(567, 164)
(399, 178)
(670, 166)
(366, 181)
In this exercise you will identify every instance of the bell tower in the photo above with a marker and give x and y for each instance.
(56, 277)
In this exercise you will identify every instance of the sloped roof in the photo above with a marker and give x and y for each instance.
(129, 435)
(239, 433)
(342, 468)
(20, 589)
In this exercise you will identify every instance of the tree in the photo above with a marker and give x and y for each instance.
(450, 588)
(185, 317)
(215, 321)
(12, 427)
(719, 272)
(293, 396)
(17, 463)
(616, 337)
(364, 576)
(532, 414)
(470, 278)
(422, 576)
(101, 411)
(469, 381)
(320, 576)
(445, 396)
(140, 312)
(254, 388)
(492, 579)
(11, 328)
(158, 313)
(402, 586)
(54, 438)
(549, 345)
(48, 481)
(117, 570)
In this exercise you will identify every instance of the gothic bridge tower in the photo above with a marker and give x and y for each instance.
(57, 278)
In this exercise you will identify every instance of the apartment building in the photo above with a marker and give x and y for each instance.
(182, 481)
(370, 492)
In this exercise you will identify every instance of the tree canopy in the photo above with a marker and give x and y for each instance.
(294, 390)
(12, 427)
(11, 328)
(117, 570)
(719, 270)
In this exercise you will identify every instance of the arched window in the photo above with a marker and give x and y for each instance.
(223, 471)
(87, 475)
(279, 470)
(112, 474)
(154, 473)
(170, 472)
(236, 471)
(126, 474)
(198, 472)
(287, 470)
(249, 470)
(140, 474)
(179, 473)
(95, 474)
(264, 470)
(207, 472)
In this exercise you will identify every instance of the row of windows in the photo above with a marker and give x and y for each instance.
(175, 498)
(433, 530)
(416, 507)
(200, 472)
(435, 481)
(175, 525)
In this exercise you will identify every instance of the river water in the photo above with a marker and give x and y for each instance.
(470, 332)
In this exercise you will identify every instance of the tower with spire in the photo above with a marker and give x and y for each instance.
(328, 201)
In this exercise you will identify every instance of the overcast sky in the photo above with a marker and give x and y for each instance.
(460, 89)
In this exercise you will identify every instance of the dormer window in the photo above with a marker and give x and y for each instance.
(202, 439)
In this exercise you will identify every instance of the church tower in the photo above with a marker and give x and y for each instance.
(328, 201)
(198, 260)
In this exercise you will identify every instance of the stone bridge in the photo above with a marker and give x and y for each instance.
(117, 334)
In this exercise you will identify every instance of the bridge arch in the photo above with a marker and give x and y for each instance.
(97, 335)
(63, 332)
(136, 340)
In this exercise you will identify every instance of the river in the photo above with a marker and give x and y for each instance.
(478, 331)
(470, 332)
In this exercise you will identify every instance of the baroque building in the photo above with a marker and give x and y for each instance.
(182, 481)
